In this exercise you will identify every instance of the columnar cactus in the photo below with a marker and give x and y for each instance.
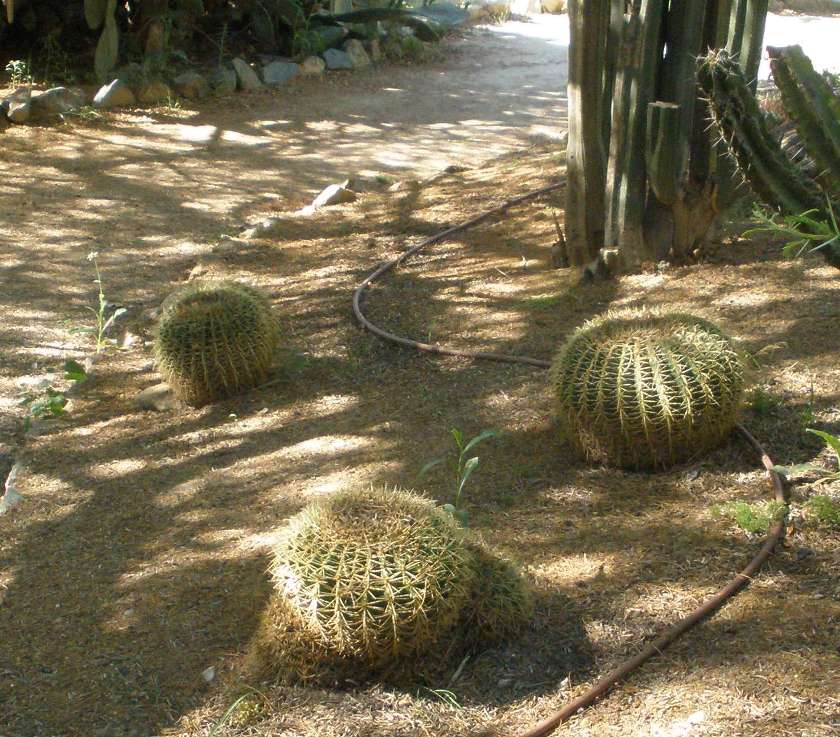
(642, 389)
(215, 339)
(810, 102)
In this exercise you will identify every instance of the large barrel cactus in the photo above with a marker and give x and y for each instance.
(643, 389)
(215, 339)
(374, 574)
(381, 583)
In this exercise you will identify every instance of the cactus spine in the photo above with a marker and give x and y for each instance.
(215, 339)
(643, 389)
(809, 101)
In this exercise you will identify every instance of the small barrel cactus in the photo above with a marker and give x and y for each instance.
(374, 574)
(643, 389)
(215, 339)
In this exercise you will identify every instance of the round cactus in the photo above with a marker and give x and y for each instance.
(374, 574)
(645, 389)
(215, 339)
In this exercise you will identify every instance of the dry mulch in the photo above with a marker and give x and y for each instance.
(139, 557)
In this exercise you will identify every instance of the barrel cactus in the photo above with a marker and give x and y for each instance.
(644, 389)
(215, 339)
(374, 574)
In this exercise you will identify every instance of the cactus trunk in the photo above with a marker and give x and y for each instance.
(652, 174)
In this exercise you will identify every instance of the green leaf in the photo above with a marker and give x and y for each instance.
(799, 469)
(459, 437)
(469, 467)
(77, 331)
(832, 440)
(462, 516)
(74, 371)
(430, 465)
(482, 436)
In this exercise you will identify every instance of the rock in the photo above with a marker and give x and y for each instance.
(335, 194)
(355, 49)
(19, 111)
(248, 79)
(313, 65)
(223, 81)
(331, 36)
(154, 92)
(55, 102)
(280, 72)
(208, 674)
(115, 94)
(553, 6)
(11, 496)
(158, 397)
(374, 49)
(191, 85)
(336, 59)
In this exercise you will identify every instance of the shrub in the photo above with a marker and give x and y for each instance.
(825, 510)
(645, 389)
(215, 339)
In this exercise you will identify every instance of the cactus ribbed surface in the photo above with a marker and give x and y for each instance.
(736, 114)
(643, 389)
(812, 105)
(215, 339)
(374, 574)
(809, 101)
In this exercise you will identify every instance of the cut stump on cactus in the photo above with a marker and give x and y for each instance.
(641, 389)
(215, 339)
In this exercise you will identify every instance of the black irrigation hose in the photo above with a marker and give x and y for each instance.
(705, 610)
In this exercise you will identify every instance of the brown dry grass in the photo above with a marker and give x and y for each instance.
(139, 556)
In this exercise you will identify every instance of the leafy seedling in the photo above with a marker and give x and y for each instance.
(462, 468)
(801, 469)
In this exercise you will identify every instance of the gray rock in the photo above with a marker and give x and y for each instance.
(248, 79)
(191, 85)
(11, 497)
(336, 59)
(279, 72)
(115, 94)
(355, 49)
(56, 101)
(18, 106)
(335, 194)
(313, 65)
(158, 397)
(374, 49)
(154, 92)
(223, 81)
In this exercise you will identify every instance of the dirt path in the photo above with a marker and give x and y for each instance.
(165, 184)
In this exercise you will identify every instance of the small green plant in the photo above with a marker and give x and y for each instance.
(752, 518)
(800, 469)
(825, 510)
(19, 72)
(51, 402)
(104, 321)
(806, 232)
(763, 402)
(462, 468)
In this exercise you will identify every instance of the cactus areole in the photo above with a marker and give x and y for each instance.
(641, 389)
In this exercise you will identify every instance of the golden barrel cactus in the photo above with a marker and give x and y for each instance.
(646, 389)
(215, 339)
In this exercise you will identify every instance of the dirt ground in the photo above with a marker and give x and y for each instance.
(138, 557)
